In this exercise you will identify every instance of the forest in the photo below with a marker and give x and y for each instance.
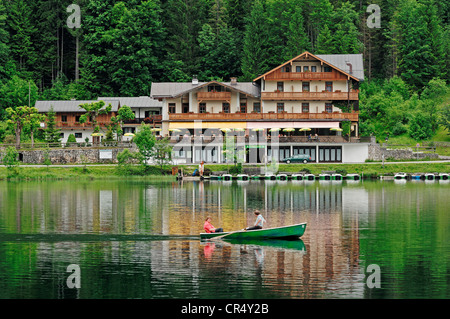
(124, 46)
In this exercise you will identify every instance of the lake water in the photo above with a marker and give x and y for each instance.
(140, 240)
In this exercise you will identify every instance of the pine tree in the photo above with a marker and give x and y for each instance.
(51, 133)
(417, 49)
(256, 47)
(346, 37)
(5, 62)
(318, 13)
(183, 20)
(325, 42)
(297, 41)
(22, 31)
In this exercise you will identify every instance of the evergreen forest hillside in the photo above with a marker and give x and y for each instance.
(124, 46)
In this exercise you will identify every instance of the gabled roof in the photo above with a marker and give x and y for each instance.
(336, 61)
(71, 105)
(176, 89)
(341, 60)
(141, 101)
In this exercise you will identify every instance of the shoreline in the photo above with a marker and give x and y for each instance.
(369, 170)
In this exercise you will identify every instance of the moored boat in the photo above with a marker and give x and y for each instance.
(283, 232)
(297, 177)
(242, 177)
(353, 177)
(400, 175)
(227, 177)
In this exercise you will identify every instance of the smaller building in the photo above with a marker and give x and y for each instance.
(146, 110)
(68, 115)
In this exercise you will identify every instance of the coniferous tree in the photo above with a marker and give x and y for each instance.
(255, 60)
(297, 41)
(183, 20)
(418, 63)
(21, 33)
(51, 133)
(4, 44)
(325, 43)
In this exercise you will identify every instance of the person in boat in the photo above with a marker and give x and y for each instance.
(209, 228)
(259, 223)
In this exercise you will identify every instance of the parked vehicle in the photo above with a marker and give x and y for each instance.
(299, 158)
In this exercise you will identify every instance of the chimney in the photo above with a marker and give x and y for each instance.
(194, 80)
(350, 67)
(233, 81)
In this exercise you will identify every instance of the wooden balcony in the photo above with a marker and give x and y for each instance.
(261, 116)
(311, 96)
(306, 76)
(78, 125)
(152, 119)
(213, 96)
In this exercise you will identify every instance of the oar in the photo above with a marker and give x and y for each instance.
(222, 236)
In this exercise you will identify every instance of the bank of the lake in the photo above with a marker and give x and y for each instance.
(75, 172)
(97, 172)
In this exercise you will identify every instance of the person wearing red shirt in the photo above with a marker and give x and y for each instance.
(209, 228)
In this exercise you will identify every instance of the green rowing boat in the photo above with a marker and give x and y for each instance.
(284, 232)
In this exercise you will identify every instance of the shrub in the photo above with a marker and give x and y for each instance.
(71, 139)
(399, 129)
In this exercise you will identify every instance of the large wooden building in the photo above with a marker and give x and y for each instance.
(307, 95)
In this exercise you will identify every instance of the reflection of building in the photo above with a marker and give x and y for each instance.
(330, 263)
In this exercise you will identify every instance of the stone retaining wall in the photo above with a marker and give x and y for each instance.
(376, 153)
(70, 156)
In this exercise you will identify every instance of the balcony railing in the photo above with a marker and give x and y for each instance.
(327, 96)
(308, 76)
(147, 120)
(213, 96)
(261, 116)
(79, 125)
(245, 139)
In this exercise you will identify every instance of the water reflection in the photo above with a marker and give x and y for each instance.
(139, 239)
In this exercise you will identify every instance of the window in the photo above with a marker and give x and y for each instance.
(329, 107)
(298, 68)
(215, 88)
(243, 107)
(280, 86)
(286, 68)
(172, 108)
(257, 107)
(305, 107)
(226, 107)
(305, 86)
(78, 135)
(330, 154)
(306, 69)
(185, 108)
(329, 86)
(313, 68)
(327, 69)
(77, 118)
(202, 108)
(63, 118)
(280, 107)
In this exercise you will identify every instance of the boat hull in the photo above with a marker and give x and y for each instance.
(285, 232)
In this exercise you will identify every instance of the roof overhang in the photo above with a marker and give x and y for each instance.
(307, 54)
